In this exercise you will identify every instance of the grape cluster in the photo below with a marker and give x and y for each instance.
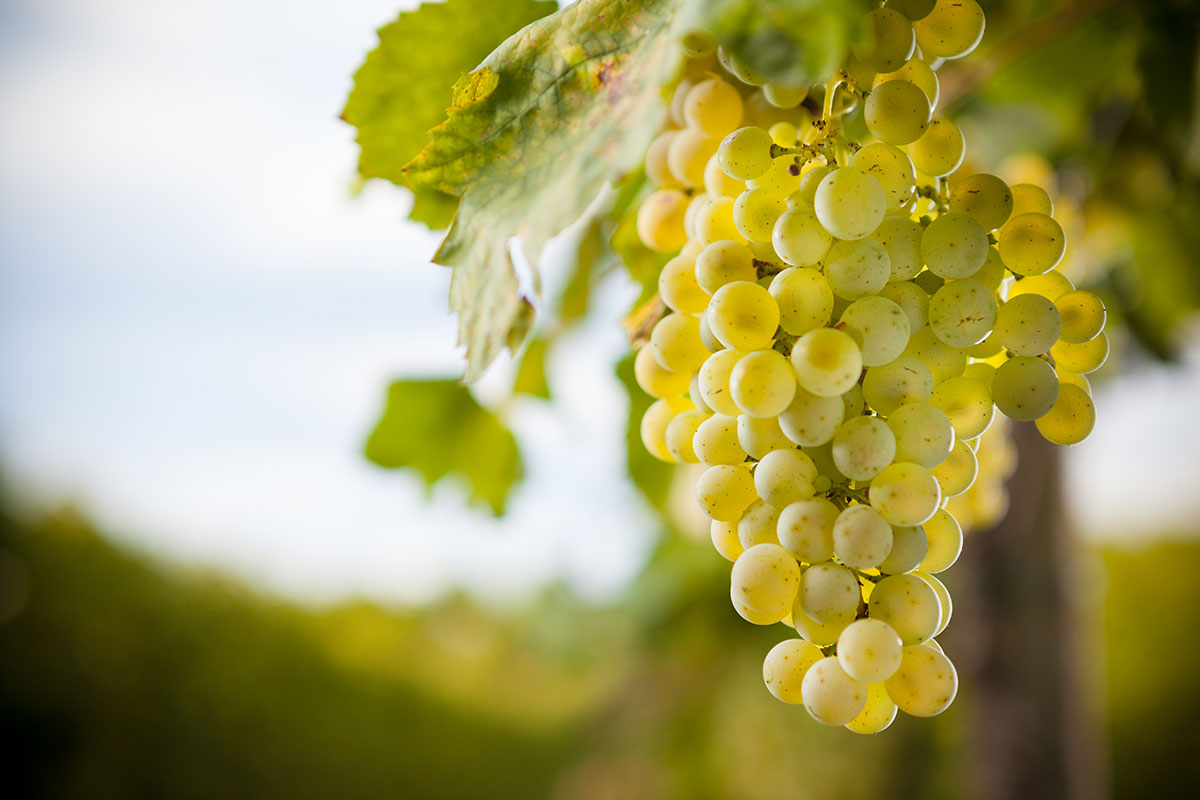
(842, 321)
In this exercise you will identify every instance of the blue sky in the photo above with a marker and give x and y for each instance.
(197, 323)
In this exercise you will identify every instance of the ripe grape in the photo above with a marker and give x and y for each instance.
(869, 650)
(1031, 244)
(951, 30)
(897, 112)
(850, 203)
(1083, 316)
(827, 362)
(765, 577)
(743, 315)
(830, 695)
(785, 667)
(862, 539)
(1071, 419)
(925, 684)
(763, 383)
(1024, 388)
(745, 154)
(939, 150)
(805, 529)
(985, 198)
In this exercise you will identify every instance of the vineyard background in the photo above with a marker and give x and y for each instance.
(205, 589)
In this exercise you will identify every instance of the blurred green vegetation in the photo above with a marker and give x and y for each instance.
(121, 678)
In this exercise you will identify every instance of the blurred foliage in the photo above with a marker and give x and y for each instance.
(125, 680)
(437, 428)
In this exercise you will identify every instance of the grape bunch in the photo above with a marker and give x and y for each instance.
(841, 319)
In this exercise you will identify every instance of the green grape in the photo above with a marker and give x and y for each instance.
(854, 402)
(909, 605)
(966, 401)
(654, 380)
(945, 538)
(805, 530)
(891, 168)
(830, 695)
(763, 383)
(1071, 419)
(849, 203)
(914, 71)
(716, 441)
(724, 262)
(656, 161)
(827, 362)
(897, 112)
(962, 313)
(1028, 325)
(904, 380)
(804, 297)
(785, 666)
(944, 361)
(724, 491)
(913, 9)
(675, 342)
(654, 427)
(869, 650)
(929, 281)
(688, 153)
(760, 435)
(862, 447)
(714, 381)
(862, 539)
(715, 222)
(725, 540)
(912, 301)
(954, 246)
(878, 713)
(660, 220)
(925, 684)
(714, 107)
(717, 183)
(745, 154)
(957, 473)
(1083, 316)
(985, 198)
(739, 68)
(765, 577)
(698, 43)
(1031, 244)
(757, 617)
(944, 600)
(988, 348)
(1050, 285)
(680, 432)
(743, 315)
(757, 526)
(786, 134)
(857, 268)
(1031, 199)
(678, 98)
(977, 371)
(829, 593)
(810, 179)
(991, 274)
(1074, 379)
(1024, 388)
(799, 238)
(785, 96)
(939, 150)
(908, 549)
(1084, 357)
(888, 40)
(811, 420)
(783, 477)
(879, 327)
(695, 396)
(923, 434)
(905, 494)
(694, 210)
(755, 212)
(952, 30)
(901, 238)
(678, 288)
(781, 179)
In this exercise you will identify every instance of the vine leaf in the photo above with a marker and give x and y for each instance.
(402, 87)
(567, 104)
(786, 40)
(437, 428)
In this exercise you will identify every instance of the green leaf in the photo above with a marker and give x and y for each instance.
(437, 428)
(651, 476)
(531, 375)
(404, 86)
(560, 108)
(792, 41)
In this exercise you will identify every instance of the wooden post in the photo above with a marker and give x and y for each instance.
(1018, 637)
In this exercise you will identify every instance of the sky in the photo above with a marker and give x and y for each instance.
(198, 322)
